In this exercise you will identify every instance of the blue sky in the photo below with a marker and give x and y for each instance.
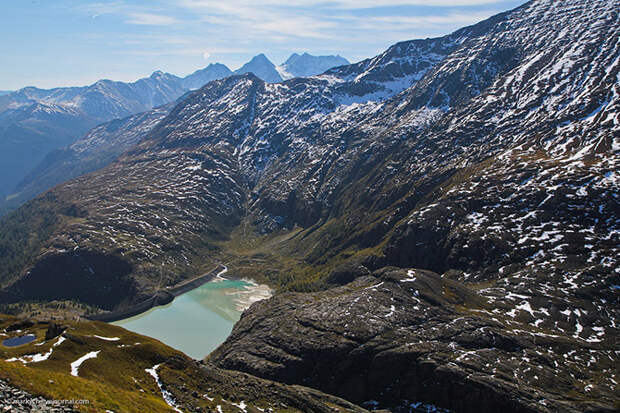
(49, 43)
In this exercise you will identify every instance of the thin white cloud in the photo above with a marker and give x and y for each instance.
(176, 51)
(147, 16)
(342, 4)
(450, 19)
(150, 19)
(97, 9)
(297, 27)
(366, 4)
(272, 23)
(279, 20)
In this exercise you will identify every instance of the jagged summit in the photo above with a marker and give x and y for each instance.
(304, 65)
(262, 67)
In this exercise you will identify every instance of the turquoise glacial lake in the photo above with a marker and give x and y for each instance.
(198, 321)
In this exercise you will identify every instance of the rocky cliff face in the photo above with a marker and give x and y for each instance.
(488, 156)
(411, 335)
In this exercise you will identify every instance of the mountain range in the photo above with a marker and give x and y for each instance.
(297, 65)
(35, 121)
(439, 221)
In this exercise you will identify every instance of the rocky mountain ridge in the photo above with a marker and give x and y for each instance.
(34, 121)
(182, 137)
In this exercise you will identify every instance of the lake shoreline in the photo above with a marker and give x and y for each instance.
(215, 307)
(255, 292)
(161, 297)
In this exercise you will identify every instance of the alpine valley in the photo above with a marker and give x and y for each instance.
(440, 224)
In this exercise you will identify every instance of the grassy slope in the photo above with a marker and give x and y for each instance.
(116, 380)
(99, 381)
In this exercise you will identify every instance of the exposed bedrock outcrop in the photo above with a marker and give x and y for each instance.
(413, 335)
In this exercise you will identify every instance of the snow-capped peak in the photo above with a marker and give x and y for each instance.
(306, 65)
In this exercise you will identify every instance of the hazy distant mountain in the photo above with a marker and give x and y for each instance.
(262, 67)
(27, 134)
(104, 99)
(98, 148)
(34, 122)
(297, 65)
(4, 92)
(305, 65)
(203, 76)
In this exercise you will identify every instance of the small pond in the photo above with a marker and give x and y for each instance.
(18, 341)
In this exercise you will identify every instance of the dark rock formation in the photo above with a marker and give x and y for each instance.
(346, 273)
(414, 335)
(20, 325)
(163, 298)
(54, 330)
